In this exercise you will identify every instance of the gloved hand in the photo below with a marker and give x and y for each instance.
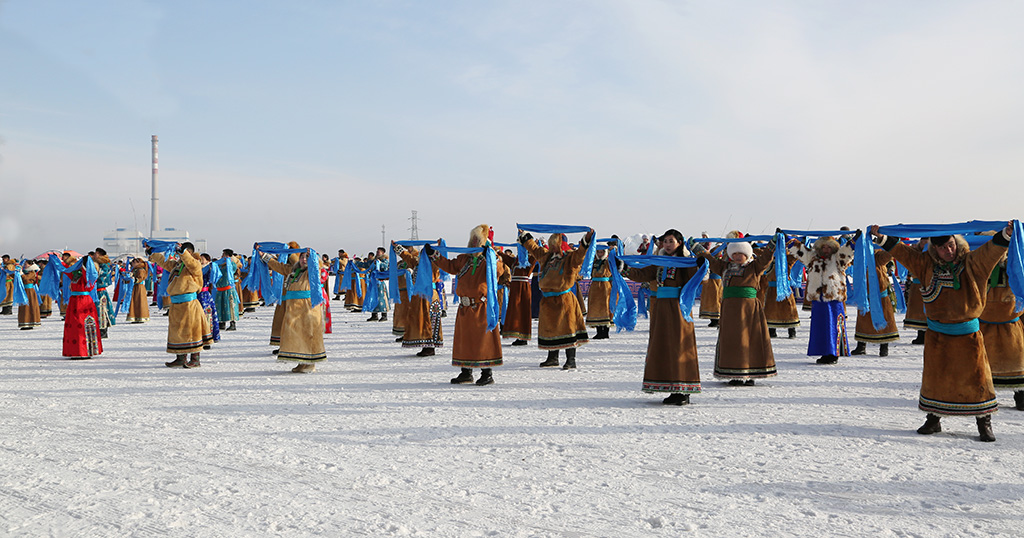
(620, 265)
(524, 236)
(428, 250)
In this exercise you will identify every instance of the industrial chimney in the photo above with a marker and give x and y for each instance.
(154, 223)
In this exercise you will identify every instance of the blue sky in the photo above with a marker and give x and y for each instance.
(322, 121)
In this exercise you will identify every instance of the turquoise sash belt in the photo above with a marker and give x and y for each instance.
(297, 294)
(79, 293)
(1014, 320)
(601, 279)
(183, 298)
(668, 292)
(954, 329)
(554, 293)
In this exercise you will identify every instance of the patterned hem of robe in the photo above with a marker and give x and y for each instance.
(710, 315)
(783, 324)
(306, 358)
(745, 373)
(186, 347)
(652, 387)
(937, 407)
(30, 324)
(517, 335)
(422, 343)
(563, 342)
(136, 320)
(599, 323)
(915, 324)
(876, 338)
(458, 363)
(1008, 381)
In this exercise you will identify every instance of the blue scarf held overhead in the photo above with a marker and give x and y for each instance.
(261, 278)
(312, 268)
(588, 259)
(19, 296)
(868, 281)
(49, 282)
(522, 256)
(491, 262)
(423, 285)
(688, 293)
(167, 248)
(625, 310)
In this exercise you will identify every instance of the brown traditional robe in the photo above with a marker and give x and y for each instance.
(779, 314)
(744, 349)
(473, 345)
(560, 324)
(866, 331)
(185, 320)
(138, 307)
(671, 362)
(1003, 333)
(598, 311)
(28, 314)
(956, 379)
(302, 324)
(422, 317)
(518, 322)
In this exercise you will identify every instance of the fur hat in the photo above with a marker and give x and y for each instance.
(559, 243)
(742, 247)
(31, 268)
(962, 248)
(734, 234)
(478, 236)
(823, 242)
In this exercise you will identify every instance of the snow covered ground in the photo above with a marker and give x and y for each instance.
(378, 443)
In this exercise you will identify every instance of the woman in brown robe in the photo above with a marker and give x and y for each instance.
(302, 324)
(744, 349)
(671, 362)
(422, 317)
(473, 345)
(1004, 335)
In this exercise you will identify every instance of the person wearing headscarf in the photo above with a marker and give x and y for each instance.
(106, 273)
(599, 313)
(866, 333)
(473, 346)
(28, 313)
(518, 320)
(277, 322)
(421, 316)
(82, 339)
(138, 308)
(561, 324)
(957, 378)
(302, 324)
(186, 320)
(212, 324)
(743, 352)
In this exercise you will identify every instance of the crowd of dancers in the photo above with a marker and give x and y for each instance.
(959, 291)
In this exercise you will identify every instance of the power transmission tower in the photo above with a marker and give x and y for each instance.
(414, 230)
(382, 241)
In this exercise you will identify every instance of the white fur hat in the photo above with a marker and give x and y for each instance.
(31, 267)
(741, 246)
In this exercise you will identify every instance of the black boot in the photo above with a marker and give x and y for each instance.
(275, 352)
(792, 332)
(552, 359)
(7, 311)
(919, 340)
(828, 359)
(883, 350)
(985, 428)
(1018, 399)
(373, 317)
(677, 399)
(714, 323)
(602, 333)
(337, 298)
(426, 352)
(222, 325)
(861, 349)
(399, 339)
(178, 362)
(465, 376)
(231, 327)
(932, 425)
(520, 342)
(771, 332)
(383, 316)
(193, 361)
(485, 377)
(570, 359)
(749, 382)
(735, 382)
(103, 333)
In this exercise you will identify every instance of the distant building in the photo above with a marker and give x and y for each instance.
(121, 242)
